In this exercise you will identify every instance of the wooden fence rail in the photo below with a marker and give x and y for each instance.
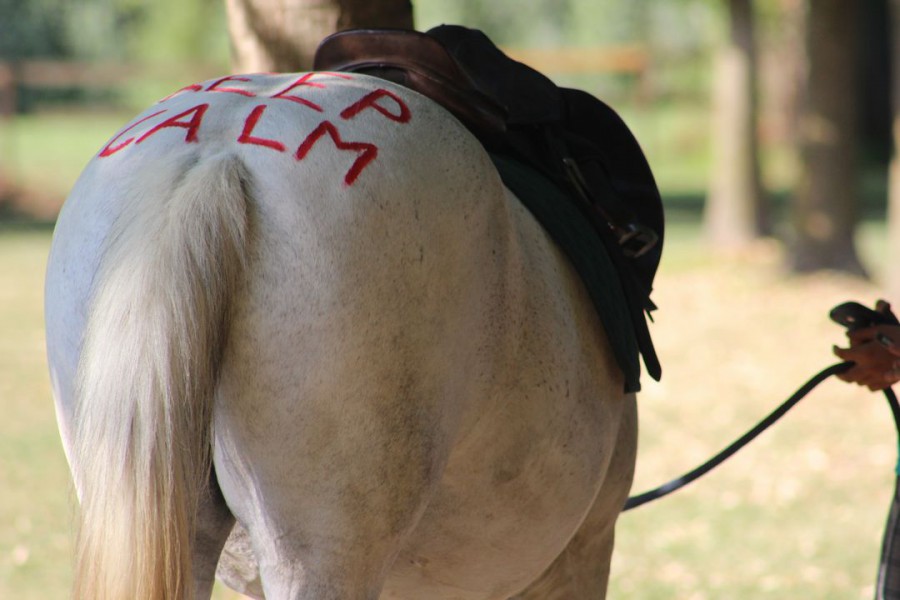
(53, 74)
(626, 59)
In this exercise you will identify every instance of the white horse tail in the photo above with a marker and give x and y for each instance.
(156, 330)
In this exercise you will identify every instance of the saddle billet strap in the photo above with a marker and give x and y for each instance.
(634, 249)
(633, 237)
(610, 157)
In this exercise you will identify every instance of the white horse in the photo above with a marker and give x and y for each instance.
(303, 311)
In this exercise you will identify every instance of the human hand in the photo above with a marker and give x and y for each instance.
(876, 354)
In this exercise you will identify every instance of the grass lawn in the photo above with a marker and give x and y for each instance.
(47, 151)
(35, 515)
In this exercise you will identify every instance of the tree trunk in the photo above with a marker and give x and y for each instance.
(282, 35)
(824, 209)
(735, 211)
(892, 266)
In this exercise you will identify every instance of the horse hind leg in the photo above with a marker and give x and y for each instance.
(329, 461)
(333, 533)
(299, 559)
(581, 572)
(213, 526)
(331, 491)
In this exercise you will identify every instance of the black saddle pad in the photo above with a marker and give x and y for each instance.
(562, 220)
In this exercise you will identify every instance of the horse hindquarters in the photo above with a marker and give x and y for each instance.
(156, 328)
(429, 403)
(343, 381)
(582, 570)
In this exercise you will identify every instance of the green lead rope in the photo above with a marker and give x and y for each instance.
(888, 586)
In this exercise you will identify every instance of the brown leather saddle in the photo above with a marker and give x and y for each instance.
(417, 61)
(575, 140)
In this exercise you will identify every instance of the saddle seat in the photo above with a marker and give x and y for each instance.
(566, 136)
(419, 62)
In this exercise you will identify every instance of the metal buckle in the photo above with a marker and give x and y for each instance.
(636, 239)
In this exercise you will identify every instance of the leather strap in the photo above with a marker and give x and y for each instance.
(694, 474)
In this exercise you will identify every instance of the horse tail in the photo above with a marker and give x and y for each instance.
(155, 335)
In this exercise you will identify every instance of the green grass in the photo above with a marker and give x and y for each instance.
(47, 151)
(35, 516)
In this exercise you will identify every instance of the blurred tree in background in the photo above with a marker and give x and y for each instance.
(173, 31)
(282, 35)
(34, 28)
(164, 35)
(892, 276)
(825, 207)
(109, 30)
(735, 213)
